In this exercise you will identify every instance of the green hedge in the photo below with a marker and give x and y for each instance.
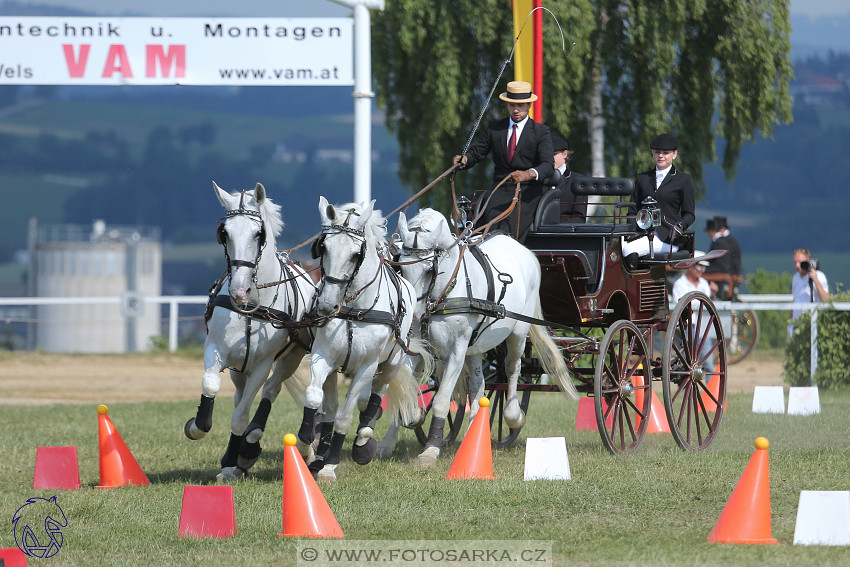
(833, 355)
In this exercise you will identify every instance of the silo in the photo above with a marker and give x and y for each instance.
(119, 263)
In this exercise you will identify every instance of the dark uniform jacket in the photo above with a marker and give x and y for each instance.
(533, 150)
(676, 198)
(573, 207)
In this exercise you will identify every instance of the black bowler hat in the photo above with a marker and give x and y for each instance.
(559, 144)
(710, 225)
(664, 142)
(720, 222)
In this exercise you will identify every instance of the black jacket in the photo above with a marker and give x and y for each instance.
(676, 198)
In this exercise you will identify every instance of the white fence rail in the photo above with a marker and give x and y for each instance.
(765, 302)
(173, 301)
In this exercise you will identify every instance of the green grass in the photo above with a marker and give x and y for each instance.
(653, 508)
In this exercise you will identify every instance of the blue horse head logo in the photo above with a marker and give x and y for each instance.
(38, 527)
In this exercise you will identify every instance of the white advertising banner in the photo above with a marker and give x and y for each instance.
(176, 51)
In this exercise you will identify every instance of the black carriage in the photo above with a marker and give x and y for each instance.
(615, 326)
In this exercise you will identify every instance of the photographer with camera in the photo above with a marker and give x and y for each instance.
(809, 284)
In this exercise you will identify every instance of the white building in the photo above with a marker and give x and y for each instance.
(97, 261)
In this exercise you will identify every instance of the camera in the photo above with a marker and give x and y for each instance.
(812, 262)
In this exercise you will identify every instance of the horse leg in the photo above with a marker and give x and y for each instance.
(514, 416)
(441, 402)
(387, 444)
(246, 390)
(475, 384)
(250, 450)
(197, 427)
(316, 459)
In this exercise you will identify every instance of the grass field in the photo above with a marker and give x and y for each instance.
(654, 508)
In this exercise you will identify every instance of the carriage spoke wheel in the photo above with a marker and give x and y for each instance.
(622, 388)
(694, 372)
(494, 380)
(744, 336)
(454, 419)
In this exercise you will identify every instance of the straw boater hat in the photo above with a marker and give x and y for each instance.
(518, 91)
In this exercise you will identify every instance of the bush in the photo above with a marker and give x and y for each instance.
(773, 325)
(833, 355)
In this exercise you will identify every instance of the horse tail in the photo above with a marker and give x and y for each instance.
(419, 347)
(297, 384)
(550, 356)
(403, 391)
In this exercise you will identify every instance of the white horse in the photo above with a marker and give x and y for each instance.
(251, 328)
(431, 260)
(368, 312)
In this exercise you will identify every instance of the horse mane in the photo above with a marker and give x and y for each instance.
(375, 229)
(269, 210)
(434, 221)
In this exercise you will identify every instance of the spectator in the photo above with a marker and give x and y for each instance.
(521, 148)
(809, 284)
(692, 280)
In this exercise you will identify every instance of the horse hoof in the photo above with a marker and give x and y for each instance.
(245, 463)
(229, 474)
(308, 452)
(327, 474)
(517, 423)
(191, 430)
(428, 457)
(363, 454)
(315, 467)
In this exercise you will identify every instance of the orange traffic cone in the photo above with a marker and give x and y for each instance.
(714, 387)
(657, 416)
(474, 458)
(305, 511)
(118, 467)
(746, 516)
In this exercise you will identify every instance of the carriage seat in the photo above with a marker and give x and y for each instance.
(548, 215)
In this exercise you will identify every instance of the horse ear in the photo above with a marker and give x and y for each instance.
(259, 194)
(223, 196)
(326, 211)
(402, 225)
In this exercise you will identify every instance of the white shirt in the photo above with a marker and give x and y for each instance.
(683, 286)
(801, 291)
(660, 174)
(519, 126)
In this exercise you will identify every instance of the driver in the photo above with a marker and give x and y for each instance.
(520, 147)
(674, 192)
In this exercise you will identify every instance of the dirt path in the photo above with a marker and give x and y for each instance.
(40, 379)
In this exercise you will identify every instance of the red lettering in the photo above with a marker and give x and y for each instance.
(174, 57)
(76, 65)
(117, 62)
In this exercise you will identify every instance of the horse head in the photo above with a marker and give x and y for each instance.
(252, 222)
(425, 240)
(348, 243)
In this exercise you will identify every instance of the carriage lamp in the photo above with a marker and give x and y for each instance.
(649, 215)
(464, 207)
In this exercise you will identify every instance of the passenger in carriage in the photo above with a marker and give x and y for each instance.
(692, 280)
(674, 192)
(573, 207)
(521, 148)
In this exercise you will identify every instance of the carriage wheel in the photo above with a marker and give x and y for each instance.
(494, 380)
(622, 388)
(694, 372)
(744, 336)
(454, 419)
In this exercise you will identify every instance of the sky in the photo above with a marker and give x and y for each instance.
(315, 8)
